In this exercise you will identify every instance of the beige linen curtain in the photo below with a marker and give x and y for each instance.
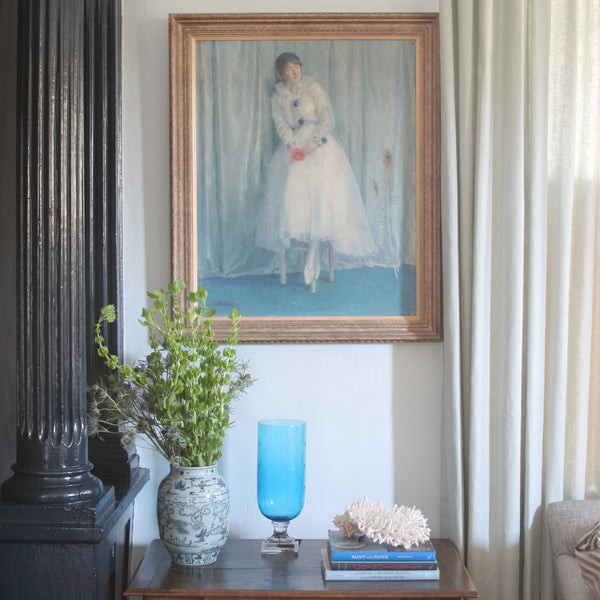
(521, 253)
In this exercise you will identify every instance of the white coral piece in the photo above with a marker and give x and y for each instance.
(346, 524)
(398, 526)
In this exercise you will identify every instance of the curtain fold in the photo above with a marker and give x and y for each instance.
(520, 164)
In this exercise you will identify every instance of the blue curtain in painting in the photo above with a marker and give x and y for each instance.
(371, 86)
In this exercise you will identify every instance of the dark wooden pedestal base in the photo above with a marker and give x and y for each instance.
(69, 552)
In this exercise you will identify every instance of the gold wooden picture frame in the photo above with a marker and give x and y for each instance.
(204, 72)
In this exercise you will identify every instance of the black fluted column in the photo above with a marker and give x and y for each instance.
(113, 464)
(61, 534)
(52, 460)
(104, 184)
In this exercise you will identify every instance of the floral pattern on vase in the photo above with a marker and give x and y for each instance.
(193, 514)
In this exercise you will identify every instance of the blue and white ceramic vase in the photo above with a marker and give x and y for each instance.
(193, 514)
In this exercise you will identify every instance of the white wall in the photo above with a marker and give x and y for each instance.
(373, 411)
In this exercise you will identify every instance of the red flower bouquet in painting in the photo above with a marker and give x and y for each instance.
(297, 155)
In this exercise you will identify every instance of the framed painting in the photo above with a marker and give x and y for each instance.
(305, 173)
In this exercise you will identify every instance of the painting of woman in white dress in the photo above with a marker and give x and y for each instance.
(311, 195)
(305, 175)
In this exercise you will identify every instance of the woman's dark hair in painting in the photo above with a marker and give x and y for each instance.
(284, 59)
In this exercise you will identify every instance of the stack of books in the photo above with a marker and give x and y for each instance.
(345, 559)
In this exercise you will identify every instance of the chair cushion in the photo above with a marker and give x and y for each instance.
(587, 551)
(569, 582)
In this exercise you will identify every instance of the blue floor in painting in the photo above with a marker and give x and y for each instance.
(369, 291)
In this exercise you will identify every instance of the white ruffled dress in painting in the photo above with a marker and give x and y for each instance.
(318, 198)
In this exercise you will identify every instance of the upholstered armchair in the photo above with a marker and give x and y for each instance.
(568, 521)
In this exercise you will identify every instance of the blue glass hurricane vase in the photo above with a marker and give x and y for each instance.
(280, 479)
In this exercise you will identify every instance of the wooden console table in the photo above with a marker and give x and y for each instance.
(242, 573)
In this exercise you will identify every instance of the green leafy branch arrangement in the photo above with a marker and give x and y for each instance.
(178, 397)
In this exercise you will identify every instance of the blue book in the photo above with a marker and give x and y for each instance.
(346, 549)
(330, 574)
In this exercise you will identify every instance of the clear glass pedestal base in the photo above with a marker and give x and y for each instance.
(280, 542)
